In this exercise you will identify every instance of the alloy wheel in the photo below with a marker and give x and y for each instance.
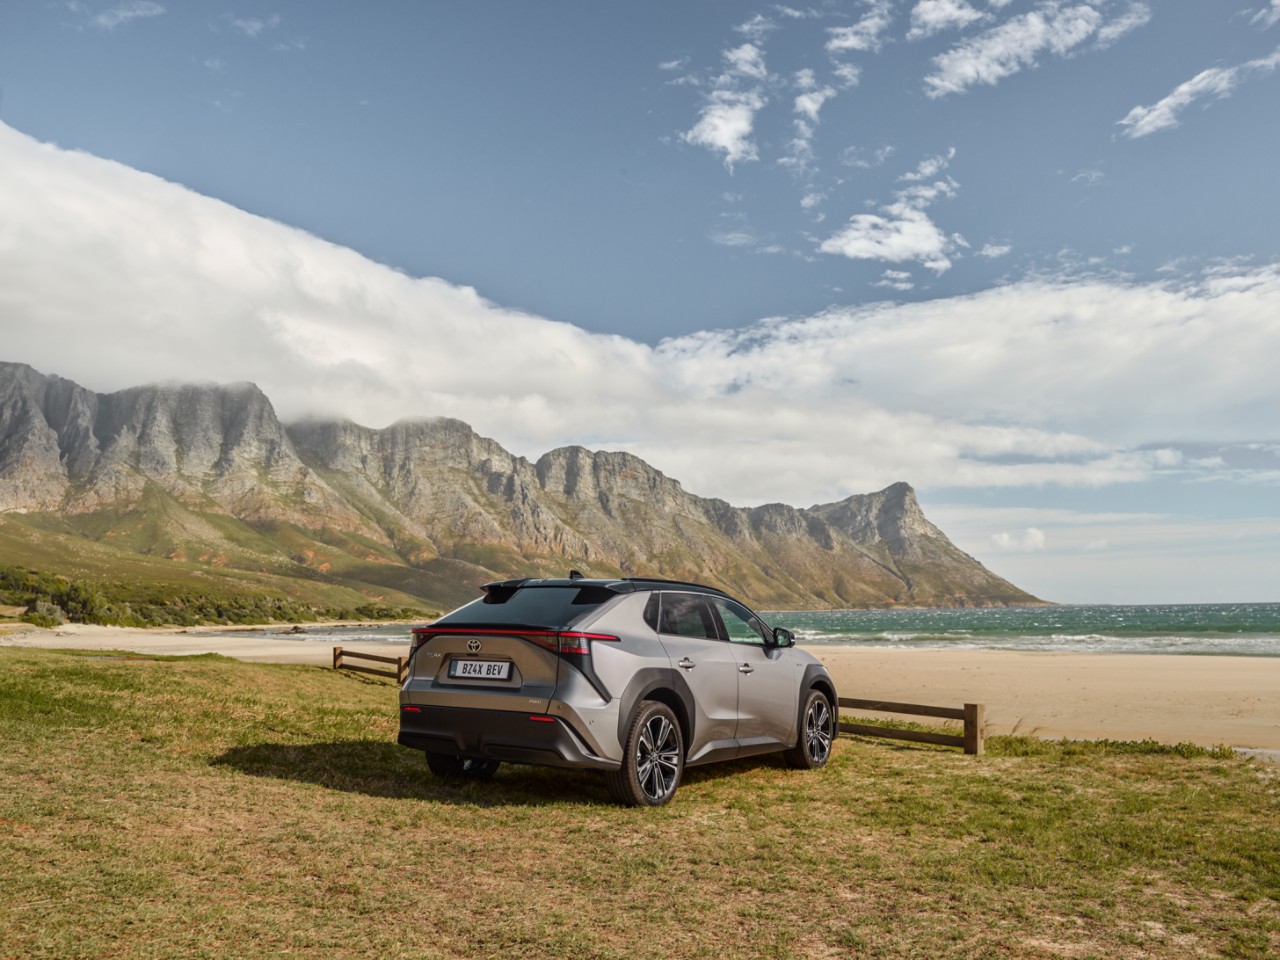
(818, 728)
(658, 758)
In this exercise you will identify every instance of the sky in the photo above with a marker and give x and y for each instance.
(1022, 254)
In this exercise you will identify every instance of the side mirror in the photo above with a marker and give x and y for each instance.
(782, 637)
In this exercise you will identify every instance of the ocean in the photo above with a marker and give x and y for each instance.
(1204, 629)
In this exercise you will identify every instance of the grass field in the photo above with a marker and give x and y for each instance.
(202, 807)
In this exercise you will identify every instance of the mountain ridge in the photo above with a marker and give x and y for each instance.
(428, 508)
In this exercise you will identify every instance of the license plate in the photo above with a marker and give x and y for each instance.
(480, 669)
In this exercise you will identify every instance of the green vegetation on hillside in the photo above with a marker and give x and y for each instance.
(204, 808)
(51, 600)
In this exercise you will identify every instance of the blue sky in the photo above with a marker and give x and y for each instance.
(1020, 253)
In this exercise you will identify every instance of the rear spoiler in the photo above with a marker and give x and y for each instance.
(500, 591)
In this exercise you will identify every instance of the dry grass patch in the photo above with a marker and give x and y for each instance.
(201, 807)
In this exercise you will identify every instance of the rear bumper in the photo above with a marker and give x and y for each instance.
(508, 736)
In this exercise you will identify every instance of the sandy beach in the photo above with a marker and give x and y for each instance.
(1202, 700)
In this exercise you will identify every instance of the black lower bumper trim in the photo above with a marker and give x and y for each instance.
(497, 735)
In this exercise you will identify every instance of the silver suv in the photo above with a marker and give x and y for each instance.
(637, 678)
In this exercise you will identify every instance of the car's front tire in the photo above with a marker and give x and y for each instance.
(652, 758)
(817, 731)
(453, 766)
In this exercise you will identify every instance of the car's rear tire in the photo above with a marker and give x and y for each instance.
(652, 758)
(453, 766)
(817, 731)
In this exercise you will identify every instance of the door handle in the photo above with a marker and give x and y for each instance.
(686, 663)
(746, 668)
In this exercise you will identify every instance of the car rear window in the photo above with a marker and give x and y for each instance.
(552, 607)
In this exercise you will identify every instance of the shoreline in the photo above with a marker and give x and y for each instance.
(1172, 698)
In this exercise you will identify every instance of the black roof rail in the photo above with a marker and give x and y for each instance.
(508, 587)
(676, 583)
(499, 590)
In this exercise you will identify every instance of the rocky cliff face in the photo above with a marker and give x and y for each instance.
(437, 509)
(65, 449)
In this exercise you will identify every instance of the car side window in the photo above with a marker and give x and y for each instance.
(740, 623)
(686, 615)
(651, 611)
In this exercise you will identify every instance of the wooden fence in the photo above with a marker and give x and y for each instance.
(400, 674)
(973, 715)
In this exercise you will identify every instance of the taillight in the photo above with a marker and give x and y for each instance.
(574, 648)
(419, 637)
(580, 643)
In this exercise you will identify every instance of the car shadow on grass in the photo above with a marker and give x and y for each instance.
(376, 768)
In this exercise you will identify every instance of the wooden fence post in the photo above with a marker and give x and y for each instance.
(974, 719)
(401, 664)
(973, 715)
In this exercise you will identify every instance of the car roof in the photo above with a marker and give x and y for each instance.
(617, 585)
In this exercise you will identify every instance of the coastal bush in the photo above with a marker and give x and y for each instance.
(45, 614)
(52, 600)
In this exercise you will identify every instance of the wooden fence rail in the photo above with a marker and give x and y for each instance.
(973, 715)
(400, 674)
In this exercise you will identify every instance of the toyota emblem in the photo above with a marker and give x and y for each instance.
(473, 645)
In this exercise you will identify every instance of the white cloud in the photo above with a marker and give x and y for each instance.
(902, 232)
(896, 280)
(214, 64)
(847, 74)
(899, 234)
(933, 16)
(253, 26)
(125, 12)
(115, 278)
(1216, 83)
(729, 110)
(1268, 17)
(747, 61)
(864, 159)
(993, 251)
(809, 104)
(1011, 47)
(1137, 15)
(734, 237)
(930, 167)
(757, 28)
(1026, 541)
(678, 64)
(727, 119)
(866, 34)
(797, 13)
